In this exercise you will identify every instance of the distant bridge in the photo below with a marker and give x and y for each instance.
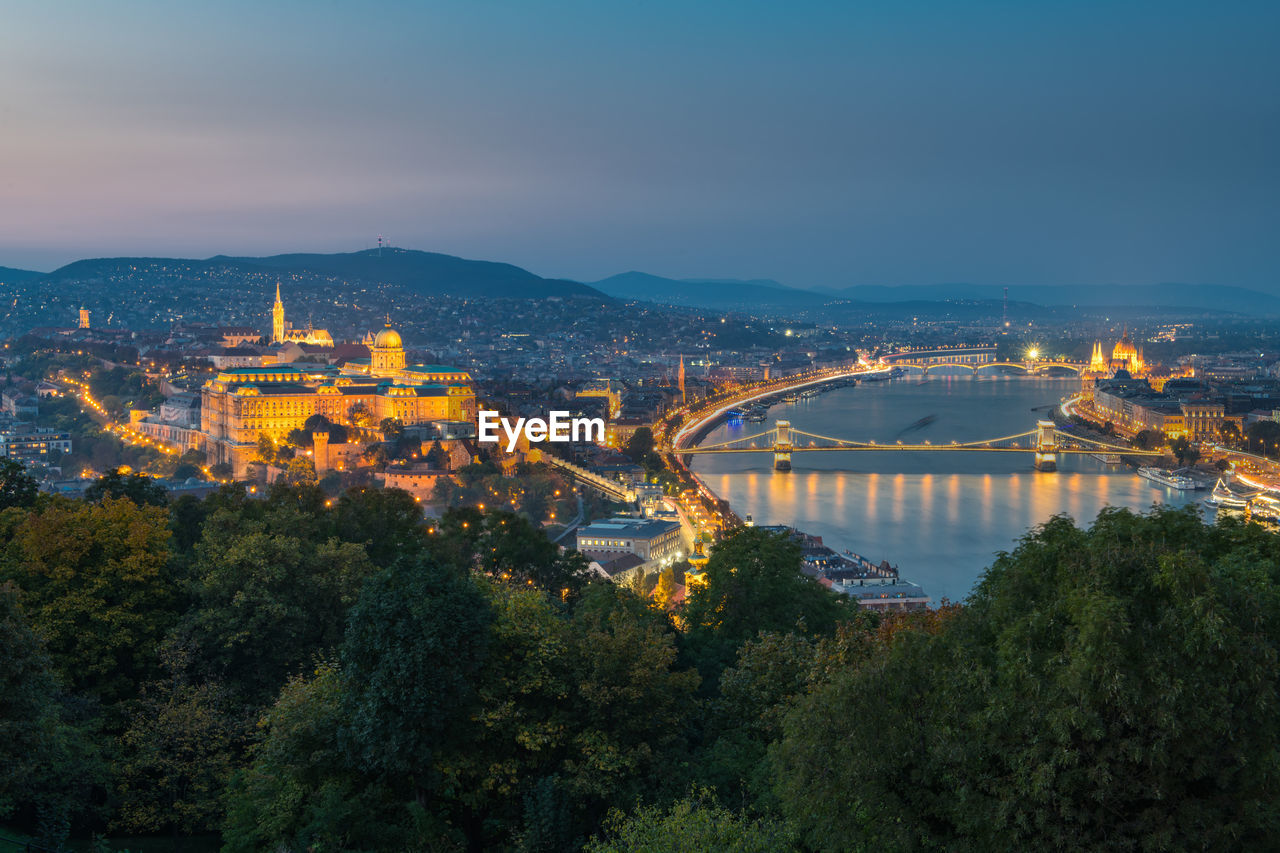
(1026, 366)
(973, 359)
(1045, 442)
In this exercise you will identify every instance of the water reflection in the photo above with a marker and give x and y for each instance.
(939, 516)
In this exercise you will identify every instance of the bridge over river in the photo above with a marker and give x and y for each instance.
(1045, 443)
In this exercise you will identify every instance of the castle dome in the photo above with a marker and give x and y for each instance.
(388, 338)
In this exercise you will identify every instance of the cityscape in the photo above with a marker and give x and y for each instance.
(962, 532)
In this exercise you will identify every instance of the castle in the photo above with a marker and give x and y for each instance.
(240, 404)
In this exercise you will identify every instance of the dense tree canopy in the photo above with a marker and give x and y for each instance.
(298, 672)
(93, 583)
(1114, 688)
(754, 583)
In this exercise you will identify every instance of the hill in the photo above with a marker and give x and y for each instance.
(422, 273)
(730, 294)
(10, 275)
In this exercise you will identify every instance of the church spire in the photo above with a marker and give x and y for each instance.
(683, 398)
(277, 318)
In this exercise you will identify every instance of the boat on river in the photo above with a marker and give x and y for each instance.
(1230, 496)
(1173, 479)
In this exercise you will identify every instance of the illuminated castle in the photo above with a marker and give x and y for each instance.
(282, 332)
(1124, 356)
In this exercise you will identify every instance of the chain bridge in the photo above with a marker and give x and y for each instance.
(1045, 443)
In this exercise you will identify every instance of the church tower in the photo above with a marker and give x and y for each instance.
(683, 398)
(277, 319)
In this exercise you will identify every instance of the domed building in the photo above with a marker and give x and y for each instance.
(1124, 356)
(1127, 356)
(386, 354)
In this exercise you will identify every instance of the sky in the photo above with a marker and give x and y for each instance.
(819, 144)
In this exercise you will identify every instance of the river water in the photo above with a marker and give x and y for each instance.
(939, 517)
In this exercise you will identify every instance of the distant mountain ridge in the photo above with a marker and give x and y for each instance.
(734, 294)
(10, 275)
(708, 293)
(1220, 297)
(423, 273)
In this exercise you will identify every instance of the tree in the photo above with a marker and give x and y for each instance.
(1229, 433)
(1147, 439)
(360, 415)
(696, 823)
(415, 639)
(50, 767)
(93, 583)
(301, 791)
(511, 548)
(634, 703)
(1184, 451)
(1114, 688)
(437, 457)
(300, 471)
(1263, 434)
(388, 522)
(266, 449)
(392, 429)
(300, 437)
(17, 487)
(139, 488)
(265, 603)
(664, 593)
(178, 754)
(754, 584)
(27, 687)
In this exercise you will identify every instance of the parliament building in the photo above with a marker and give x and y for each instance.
(239, 404)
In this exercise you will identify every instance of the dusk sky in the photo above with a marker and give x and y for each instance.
(821, 144)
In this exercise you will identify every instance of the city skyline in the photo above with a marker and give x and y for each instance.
(818, 146)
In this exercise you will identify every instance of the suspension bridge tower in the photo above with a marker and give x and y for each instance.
(782, 447)
(1046, 447)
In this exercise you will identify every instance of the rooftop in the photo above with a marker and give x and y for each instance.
(640, 528)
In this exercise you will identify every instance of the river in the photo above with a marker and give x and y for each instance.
(939, 517)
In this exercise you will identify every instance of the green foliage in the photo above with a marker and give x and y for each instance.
(50, 764)
(177, 755)
(1114, 688)
(388, 522)
(754, 584)
(93, 584)
(1263, 436)
(264, 602)
(17, 487)
(27, 687)
(300, 471)
(415, 638)
(1147, 439)
(693, 825)
(1182, 449)
(300, 791)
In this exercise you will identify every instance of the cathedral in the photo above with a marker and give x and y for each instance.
(282, 332)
